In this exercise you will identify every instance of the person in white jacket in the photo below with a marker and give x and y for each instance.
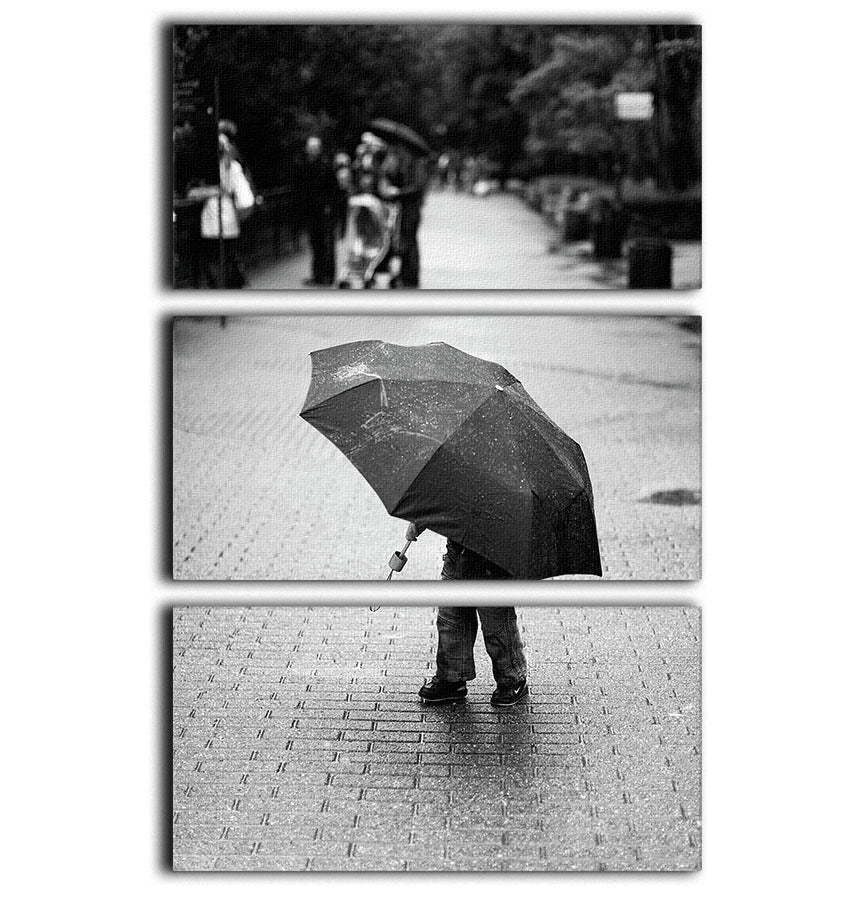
(222, 213)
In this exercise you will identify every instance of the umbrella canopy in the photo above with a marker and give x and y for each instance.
(396, 131)
(455, 443)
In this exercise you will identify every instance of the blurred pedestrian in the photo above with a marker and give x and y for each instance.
(225, 207)
(410, 176)
(443, 164)
(343, 175)
(321, 194)
(457, 628)
(469, 173)
(370, 155)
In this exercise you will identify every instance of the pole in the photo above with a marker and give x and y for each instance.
(219, 183)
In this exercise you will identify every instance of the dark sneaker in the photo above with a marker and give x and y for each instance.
(443, 691)
(509, 694)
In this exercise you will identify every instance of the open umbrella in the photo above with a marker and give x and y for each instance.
(397, 131)
(454, 443)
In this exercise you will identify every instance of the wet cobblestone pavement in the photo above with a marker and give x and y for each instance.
(299, 743)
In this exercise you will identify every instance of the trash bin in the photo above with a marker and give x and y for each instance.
(607, 229)
(649, 261)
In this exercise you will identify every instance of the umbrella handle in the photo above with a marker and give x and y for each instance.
(395, 564)
(398, 560)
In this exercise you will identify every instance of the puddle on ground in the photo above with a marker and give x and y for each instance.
(674, 497)
(692, 324)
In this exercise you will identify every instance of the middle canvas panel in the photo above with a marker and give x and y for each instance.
(428, 447)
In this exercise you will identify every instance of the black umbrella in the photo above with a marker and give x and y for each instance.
(456, 444)
(397, 131)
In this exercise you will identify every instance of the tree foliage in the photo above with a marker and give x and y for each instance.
(522, 95)
(570, 108)
(475, 68)
(280, 83)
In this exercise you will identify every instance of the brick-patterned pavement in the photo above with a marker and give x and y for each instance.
(300, 744)
(260, 494)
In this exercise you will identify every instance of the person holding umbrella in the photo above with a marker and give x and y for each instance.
(454, 443)
(410, 181)
(457, 627)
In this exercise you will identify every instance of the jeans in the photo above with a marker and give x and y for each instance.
(457, 627)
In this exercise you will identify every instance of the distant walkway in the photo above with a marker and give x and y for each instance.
(495, 242)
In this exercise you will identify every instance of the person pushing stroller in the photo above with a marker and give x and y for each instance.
(390, 178)
(371, 244)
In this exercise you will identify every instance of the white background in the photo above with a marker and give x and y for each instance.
(85, 660)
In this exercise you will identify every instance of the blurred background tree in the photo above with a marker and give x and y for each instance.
(475, 68)
(281, 83)
(568, 102)
(529, 98)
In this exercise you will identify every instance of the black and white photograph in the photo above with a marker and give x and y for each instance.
(437, 156)
(344, 738)
(500, 575)
(436, 447)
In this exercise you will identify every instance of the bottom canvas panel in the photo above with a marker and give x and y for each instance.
(300, 741)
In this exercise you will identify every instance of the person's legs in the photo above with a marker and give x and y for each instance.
(503, 643)
(235, 275)
(211, 263)
(409, 253)
(409, 272)
(457, 627)
(340, 218)
(315, 235)
(326, 270)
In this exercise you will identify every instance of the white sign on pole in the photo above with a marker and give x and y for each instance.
(634, 105)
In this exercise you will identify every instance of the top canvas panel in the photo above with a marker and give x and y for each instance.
(436, 156)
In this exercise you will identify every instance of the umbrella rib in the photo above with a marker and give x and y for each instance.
(566, 467)
(307, 409)
(532, 414)
(370, 348)
(441, 450)
(305, 413)
(443, 442)
(384, 379)
(531, 411)
(375, 345)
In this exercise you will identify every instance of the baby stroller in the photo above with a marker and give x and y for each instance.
(371, 244)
